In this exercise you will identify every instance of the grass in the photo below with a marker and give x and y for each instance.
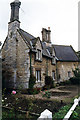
(76, 114)
(61, 113)
(10, 114)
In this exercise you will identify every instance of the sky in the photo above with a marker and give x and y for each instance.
(60, 15)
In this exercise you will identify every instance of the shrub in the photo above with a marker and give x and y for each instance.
(77, 72)
(67, 82)
(24, 91)
(75, 80)
(32, 81)
(49, 82)
(46, 94)
(34, 91)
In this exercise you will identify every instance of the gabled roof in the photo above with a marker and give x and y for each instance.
(31, 39)
(44, 51)
(65, 53)
(26, 36)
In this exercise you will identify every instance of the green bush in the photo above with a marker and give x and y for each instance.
(67, 82)
(34, 91)
(32, 81)
(76, 114)
(49, 81)
(76, 79)
(46, 94)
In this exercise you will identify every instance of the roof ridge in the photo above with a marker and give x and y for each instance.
(62, 45)
(27, 32)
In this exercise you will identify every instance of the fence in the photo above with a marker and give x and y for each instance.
(76, 102)
(47, 115)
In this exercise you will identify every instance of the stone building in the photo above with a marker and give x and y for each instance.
(23, 54)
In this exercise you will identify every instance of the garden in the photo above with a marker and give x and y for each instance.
(25, 106)
(28, 104)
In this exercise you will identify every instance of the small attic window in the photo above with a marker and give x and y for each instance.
(38, 55)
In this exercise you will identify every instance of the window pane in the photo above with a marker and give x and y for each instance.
(39, 54)
(69, 74)
(53, 75)
(36, 76)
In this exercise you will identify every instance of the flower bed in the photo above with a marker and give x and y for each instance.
(31, 105)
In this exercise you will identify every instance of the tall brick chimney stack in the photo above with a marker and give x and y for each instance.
(46, 35)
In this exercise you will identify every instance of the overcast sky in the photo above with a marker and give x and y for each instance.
(60, 15)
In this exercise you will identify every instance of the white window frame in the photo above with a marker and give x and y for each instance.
(38, 75)
(38, 54)
(53, 75)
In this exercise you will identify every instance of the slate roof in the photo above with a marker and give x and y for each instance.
(65, 53)
(26, 34)
(27, 37)
(44, 51)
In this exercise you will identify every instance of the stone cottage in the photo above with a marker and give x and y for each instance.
(23, 54)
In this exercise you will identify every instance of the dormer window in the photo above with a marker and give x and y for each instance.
(53, 60)
(38, 55)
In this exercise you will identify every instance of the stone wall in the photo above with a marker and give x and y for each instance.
(45, 66)
(15, 56)
(9, 61)
(63, 68)
(23, 62)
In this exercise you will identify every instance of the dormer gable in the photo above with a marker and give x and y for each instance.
(38, 47)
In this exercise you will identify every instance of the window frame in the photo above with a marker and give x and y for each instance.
(38, 76)
(53, 76)
(38, 55)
